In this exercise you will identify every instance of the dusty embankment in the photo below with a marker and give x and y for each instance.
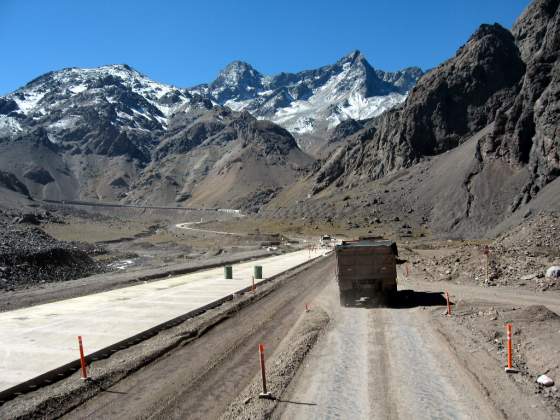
(516, 258)
(476, 332)
(280, 370)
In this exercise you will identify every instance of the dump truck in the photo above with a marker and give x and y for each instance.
(366, 268)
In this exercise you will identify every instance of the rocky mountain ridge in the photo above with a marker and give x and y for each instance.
(309, 102)
(111, 133)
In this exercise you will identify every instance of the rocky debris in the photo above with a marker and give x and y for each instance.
(536, 341)
(27, 218)
(29, 256)
(33, 218)
(517, 258)
(545, 380)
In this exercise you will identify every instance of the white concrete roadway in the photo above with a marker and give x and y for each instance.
(38, 339)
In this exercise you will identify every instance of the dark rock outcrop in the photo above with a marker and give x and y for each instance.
(11, 182)
(39, 175)
(527, 131)
(447, 106)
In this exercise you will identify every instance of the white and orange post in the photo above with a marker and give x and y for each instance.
(509, 368)
(264, 393)
(82, 359)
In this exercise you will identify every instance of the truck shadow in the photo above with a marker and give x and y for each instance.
(404, 299)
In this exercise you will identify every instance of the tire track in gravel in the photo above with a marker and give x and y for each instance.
(382, 363)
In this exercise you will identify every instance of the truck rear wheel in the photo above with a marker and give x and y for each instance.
(346, 298)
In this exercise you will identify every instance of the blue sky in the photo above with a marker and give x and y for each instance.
(187, 42)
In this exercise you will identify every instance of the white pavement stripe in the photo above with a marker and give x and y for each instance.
(41, 338)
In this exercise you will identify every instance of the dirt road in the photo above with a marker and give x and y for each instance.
(382, 363)
(200, 379)
(394, 363)
(187, 226)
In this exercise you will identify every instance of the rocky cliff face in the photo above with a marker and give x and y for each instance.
(526, 132)
(448, 105)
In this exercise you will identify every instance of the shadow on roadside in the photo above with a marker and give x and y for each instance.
(404, 299)
(294, 402)
(410, 299)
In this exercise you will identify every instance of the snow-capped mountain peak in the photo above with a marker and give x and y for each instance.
(118, 94)
(306, 102)
(238, 81)
(312, 101)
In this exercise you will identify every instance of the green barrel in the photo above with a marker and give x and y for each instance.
(258, 271)
(228, 272)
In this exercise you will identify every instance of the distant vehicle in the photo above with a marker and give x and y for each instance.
(366, 268)
(326, 240)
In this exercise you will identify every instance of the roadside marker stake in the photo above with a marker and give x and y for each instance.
(265, 393)
(82, 359)
(307, 308)
(448, 303)
(253, 287)
(510, 368)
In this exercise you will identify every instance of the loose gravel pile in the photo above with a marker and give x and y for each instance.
(518, 258)
(29, 256)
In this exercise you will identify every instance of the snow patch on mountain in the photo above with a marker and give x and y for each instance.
(307, 102)
(9, 126)
(93, 86)
(312, 100)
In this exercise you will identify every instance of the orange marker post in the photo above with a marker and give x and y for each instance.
(264, 393)
(448, 303)
(253, 288)
(509, 368)
(306, 307)
(82, 359)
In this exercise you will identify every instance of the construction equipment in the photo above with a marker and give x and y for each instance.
(366, 270)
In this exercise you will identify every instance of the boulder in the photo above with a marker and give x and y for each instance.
(553, 272)
(545, 380)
